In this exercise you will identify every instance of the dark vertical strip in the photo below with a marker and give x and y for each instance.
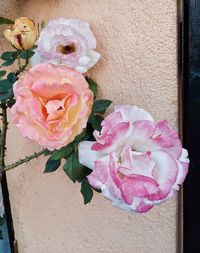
(179, 246)
(8, 211)
(191, 123)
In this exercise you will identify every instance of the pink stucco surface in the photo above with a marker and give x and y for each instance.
(137, 40)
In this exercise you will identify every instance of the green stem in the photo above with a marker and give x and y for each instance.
(22, 67)
(27, 59)
(19, 60)
(24, 160)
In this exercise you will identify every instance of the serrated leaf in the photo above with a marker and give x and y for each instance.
(100, 106)
(52, 165)
(97, 122)
(87, 192)
(7, 55)
(5, 21)
(74, 169)
(26, 54)
(92, 86)
(9, 62)
(61, 153)
(2, 73)
(5, 86)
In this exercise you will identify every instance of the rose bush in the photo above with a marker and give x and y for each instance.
(52, 106)
(69, 42)
(136, 163)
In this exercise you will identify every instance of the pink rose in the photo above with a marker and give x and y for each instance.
(136, 163)
(52, 106)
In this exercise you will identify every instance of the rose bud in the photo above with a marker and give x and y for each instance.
(23, 34)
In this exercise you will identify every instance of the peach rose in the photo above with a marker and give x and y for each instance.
(52, 106)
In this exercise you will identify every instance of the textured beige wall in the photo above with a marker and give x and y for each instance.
(137, 40)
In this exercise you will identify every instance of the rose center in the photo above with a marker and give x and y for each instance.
(53, 106)
(68, 49)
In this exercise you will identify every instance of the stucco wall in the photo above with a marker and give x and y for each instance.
(137, 40)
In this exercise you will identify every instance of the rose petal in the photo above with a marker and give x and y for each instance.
(167, 138)
(135, 163)
(165, 173)
(87, 156)
(133, 113)
(112, 140)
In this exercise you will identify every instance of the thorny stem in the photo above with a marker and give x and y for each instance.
(24, 160)
(3, 131)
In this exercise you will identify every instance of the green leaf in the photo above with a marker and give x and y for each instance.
(89, 133)
(97, 122)
(91, 118)
(5, 96)
(52, 165)
(2, 73)
(26, 54)
(79, 137)
(61, 153)
(5, 21)
(7, 55)
(92, 86)
(100, 106)
(74, 169)
(9, 62)
(68, 168)
(12, 77)
(5, 86)
(86, 191)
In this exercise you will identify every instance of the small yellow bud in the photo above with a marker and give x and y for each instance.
(23, 34)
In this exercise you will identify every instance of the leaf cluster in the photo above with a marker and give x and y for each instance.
(6, 83)
(9, 57)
